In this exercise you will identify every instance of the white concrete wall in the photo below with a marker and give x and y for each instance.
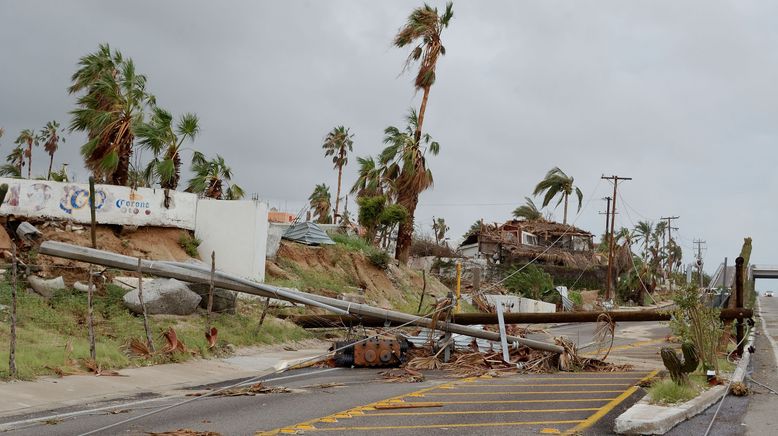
(237, 231)
(520, 304)
(114, 204)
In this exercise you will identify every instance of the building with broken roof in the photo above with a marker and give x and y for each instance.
(522, 241)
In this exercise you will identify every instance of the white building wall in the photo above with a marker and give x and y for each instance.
(237, 231)
(114, 204)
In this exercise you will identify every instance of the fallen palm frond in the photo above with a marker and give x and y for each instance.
(185, 432)
(210, 336)
(402, 375)
(173, 343)
(324, 386)
(136, 347)
(255, 389)
(97, 369)
(442, 311)
(604, 335)
(424, 362)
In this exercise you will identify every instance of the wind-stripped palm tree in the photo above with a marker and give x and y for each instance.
(110, 108)
(338, 144)
(369, 179)
(556, 182)
(320, 201)
(50, 136)
(210, 178)
(439, 228)
(27, 138)
(528, 211)
(405, 160)
(158, 136)
(15, 163)
(644, 233)
(423, 31)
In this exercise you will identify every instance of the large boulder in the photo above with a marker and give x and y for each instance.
(164, 297)
(46, 287)
(224, 300)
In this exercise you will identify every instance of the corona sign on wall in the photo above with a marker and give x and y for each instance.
(113, 204)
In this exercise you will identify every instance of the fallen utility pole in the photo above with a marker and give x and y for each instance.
(323, 321)
(199, 274)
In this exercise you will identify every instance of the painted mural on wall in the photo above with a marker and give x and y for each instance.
(113, 204)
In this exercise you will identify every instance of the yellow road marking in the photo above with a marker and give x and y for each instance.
(588, 422)
(549, 384)
(480, 424)
(636, 377)
(479, 412)
(577, 400)
(520, 393)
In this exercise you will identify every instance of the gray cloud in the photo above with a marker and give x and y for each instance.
(677, 95)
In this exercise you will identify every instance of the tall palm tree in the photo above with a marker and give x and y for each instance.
(528, 211)
(321, 202)
(406, 164)
(109, 110)
(555, 183)
(337, 144)
(422, 30)
(50, 136)
(158, 136)
(210, 178)
(644, 232)
(27, 138)
(368, 182)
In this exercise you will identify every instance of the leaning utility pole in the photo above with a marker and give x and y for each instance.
(611, 239)
(699, 243)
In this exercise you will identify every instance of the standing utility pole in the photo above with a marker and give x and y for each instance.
(669, 238)
(607, 216)
(611, 239)
(699, 243)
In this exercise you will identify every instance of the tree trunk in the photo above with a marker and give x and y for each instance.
(337, 195)
(51, 162)
(564, 220)
(422, 109)
(120, 176)
(29, 160)
(405, 229)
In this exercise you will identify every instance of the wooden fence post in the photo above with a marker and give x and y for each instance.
(12, 355)
(90, 291)
(149, 340)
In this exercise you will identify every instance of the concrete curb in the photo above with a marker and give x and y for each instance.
(644, 418)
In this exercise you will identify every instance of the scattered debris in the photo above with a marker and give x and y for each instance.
(324, 386)
(138, 348)
(402, 375)
(28, 232)
(255, 389)
(46, 288)
(173, 344)
(371, 352)
(185, 432)
(739, 389)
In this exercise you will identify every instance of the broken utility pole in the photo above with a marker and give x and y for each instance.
(611, 239)
(669, 238)
(198, 274)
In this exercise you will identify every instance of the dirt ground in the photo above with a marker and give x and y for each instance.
(155, 243)
(385, 288)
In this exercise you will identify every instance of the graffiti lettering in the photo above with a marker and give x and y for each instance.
(77, 198)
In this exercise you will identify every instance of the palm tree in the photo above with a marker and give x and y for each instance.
(439, 228)
(109, 110)
(368, 182)
(158, 136)
(528, 211)
(50, 137)
(15, 163)
(27, 138)
(337, 144)
(644, 231)
(423, 30)
(321, 202)
(406, 165)
(557, 182)
(210, 178)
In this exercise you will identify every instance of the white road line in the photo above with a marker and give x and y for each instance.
(763, 325)
(12, 425)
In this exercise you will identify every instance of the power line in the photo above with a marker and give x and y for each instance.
(615, 180)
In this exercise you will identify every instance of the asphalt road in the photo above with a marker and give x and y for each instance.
(341, 401)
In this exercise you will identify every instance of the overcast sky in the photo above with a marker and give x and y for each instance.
(678, 95)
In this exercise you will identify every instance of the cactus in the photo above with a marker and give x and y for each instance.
(678, 369)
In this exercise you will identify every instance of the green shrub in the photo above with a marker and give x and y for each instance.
(189, 243)
(575, 297)
(667, 392)
(379, 258)
(531, 282)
